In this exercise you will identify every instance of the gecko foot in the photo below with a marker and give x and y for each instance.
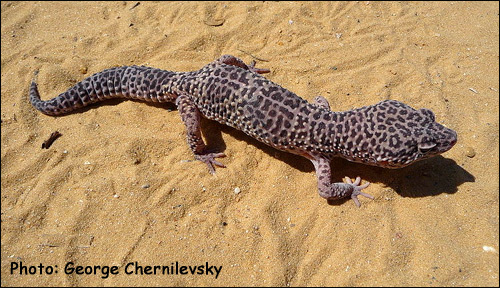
(209, 159)
(357, 189)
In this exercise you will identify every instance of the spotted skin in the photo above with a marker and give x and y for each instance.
(389, 134)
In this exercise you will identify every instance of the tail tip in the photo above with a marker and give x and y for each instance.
(35, 76)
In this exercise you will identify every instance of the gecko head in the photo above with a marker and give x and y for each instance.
(413, 135)
(431, 137)
(391, 134)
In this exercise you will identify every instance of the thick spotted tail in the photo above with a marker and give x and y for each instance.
(134, 82)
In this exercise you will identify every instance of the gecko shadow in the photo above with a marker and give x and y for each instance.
(429, 177)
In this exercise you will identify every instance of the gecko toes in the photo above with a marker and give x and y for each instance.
(254, 69)
(209, 159)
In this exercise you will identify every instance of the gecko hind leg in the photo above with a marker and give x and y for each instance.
(235, 61)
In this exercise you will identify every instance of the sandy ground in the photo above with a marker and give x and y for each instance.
(116, 187)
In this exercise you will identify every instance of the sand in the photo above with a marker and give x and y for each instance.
(119, 188)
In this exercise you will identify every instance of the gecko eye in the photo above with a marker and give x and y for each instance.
(426, 147)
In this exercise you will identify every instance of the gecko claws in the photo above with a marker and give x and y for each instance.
(357, 190)
(209, 159)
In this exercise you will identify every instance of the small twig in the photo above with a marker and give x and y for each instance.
(51, 139)
(260, 59)
(214, 22)
(136, 4)
(48, 245)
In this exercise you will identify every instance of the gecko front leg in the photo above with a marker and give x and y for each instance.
(191, 117)
(333, 191)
